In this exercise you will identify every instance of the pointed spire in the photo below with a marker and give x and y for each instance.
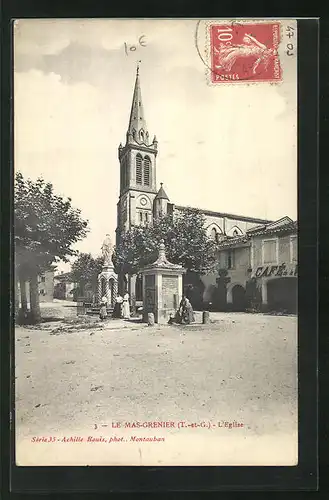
(161, 194)
(137, 129)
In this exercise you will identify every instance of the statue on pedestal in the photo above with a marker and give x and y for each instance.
(107, 250)
(107, 279)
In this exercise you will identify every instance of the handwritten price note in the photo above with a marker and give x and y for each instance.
(132, 48)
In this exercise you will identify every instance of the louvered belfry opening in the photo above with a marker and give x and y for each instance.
(139, 169)
(143, 170)
(147, 167)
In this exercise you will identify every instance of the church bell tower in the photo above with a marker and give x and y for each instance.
(137, 169)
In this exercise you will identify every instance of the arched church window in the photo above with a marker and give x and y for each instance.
(214, 234)
(235, 232)
(146, 217)
(141, 217)
(147, 168)
(139, 169)
(141, 133)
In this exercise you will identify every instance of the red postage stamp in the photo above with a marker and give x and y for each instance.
(245, 52)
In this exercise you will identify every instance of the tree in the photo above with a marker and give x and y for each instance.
(253, 295)
(185, 238)
(85, 271)
(46, 226)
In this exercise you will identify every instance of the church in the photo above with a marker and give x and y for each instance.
(141, 199)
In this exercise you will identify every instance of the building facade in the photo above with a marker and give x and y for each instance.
(238, 237)
(256, 270)
(274, 264)
(45, 287)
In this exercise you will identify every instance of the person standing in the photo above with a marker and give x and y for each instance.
(125, 306)
(103, 309)
(117, 313)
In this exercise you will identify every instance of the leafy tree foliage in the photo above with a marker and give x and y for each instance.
(85, 271)
(185, 239)
(46, 226)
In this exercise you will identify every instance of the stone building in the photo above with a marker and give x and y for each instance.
(140, 201)
(45, 286)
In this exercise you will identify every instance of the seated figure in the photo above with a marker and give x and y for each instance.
(186, 311)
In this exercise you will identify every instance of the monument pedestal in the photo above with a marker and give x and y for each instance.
(162, 288)
(107, 285)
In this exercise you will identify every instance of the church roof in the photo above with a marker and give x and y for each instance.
(137, 123)
(285, 224)
(224, 214)
(235, 241)
(161, 194)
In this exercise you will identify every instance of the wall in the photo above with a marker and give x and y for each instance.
(277, 281)
(226, 225)
(256, 251)
(46, 287)
(283, 249)
(217, 222)
(238, 275)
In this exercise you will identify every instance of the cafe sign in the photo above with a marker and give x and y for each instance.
(283, 270)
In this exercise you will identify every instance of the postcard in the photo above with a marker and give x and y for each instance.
(155, 242)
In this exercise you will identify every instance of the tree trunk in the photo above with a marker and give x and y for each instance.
(22, 286)
(34, 299)
(82, 286)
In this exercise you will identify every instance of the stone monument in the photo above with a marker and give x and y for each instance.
(107, 279)
(162, 287)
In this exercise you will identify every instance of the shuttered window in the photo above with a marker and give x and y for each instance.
(269, 251)
(293, 247)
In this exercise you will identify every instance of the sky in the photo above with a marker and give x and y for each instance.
(225, 147)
